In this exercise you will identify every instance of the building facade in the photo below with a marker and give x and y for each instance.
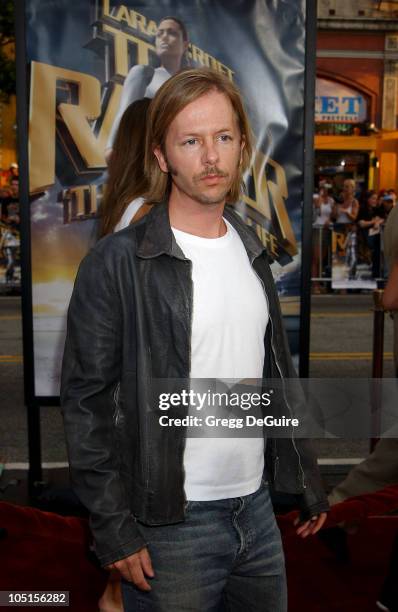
(356, 109)
(8, 131)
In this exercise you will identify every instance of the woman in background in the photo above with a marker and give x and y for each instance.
(370, 220)
(126, 183)
(347, 211)
(123, 203)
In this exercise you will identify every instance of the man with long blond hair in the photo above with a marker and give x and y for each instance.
(186, 293)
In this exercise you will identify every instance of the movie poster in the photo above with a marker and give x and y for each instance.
(87, 59)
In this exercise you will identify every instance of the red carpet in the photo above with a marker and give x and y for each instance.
(44, 551)
(317, 582)
(47, 552)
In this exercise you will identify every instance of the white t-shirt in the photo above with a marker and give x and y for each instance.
(230, 316)
(323, 213)
(342, 216)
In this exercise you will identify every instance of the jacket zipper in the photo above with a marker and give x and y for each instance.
(116, 394)
(191, 317)
(283, 387)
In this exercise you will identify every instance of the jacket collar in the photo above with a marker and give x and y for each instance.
(158, 238)
(251, 242)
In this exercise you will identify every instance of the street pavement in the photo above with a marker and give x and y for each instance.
(341, 346)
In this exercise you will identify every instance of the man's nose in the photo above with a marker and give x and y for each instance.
(210, 153)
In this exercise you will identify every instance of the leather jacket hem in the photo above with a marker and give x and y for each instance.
(121, 553)
(308, 511)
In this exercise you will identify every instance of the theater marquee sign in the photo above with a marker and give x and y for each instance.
(337, 103)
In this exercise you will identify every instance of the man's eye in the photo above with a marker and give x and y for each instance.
(225, 137)
(190, 141)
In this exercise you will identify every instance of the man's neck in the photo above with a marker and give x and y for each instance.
(192, 217)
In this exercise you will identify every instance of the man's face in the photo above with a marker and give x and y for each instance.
(169, 40)
(203, 149)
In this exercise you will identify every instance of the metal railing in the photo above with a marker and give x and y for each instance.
(322, 254)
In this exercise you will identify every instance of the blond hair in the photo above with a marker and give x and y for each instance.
(175, 94)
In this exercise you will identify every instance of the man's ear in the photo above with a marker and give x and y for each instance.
(161, 159)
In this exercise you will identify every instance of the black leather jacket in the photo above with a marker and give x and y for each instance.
(129, 321)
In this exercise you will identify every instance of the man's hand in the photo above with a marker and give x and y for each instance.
(312, 526)
(134, 568)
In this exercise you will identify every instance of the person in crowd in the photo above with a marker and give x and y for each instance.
(184, 293)
(171, 45)
(9, 245)
(350, 246)
(393, 195)
(11, 196)
(14, 188)
(370, 219)
(126, 176)
(346, 211)
(381, 194)
(387, 204)
(5, 199)
(380, 468)
(13, 172)
(323, 207)
(13, 217)
(388, 598)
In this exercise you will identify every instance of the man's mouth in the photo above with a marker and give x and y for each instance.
(213, 176)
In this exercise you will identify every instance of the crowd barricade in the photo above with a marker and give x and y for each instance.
(335, 255)
(10, 259)
(322, 253)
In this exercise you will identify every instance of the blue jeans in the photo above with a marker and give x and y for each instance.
(226, 556)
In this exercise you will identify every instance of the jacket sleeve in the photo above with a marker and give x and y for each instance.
(313, 499)
(90, 374)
